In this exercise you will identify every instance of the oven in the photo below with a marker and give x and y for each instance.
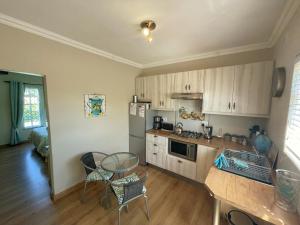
(182, 149)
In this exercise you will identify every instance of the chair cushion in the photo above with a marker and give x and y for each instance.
(99, 175)
(119, 190)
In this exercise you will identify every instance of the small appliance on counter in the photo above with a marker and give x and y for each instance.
(157, 122)
(178, 128)
(208, 132)
(182, 149)
(167, 126)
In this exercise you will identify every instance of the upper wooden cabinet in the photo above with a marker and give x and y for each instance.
(243, 90)
(189, 82)
(252, 88)
(144, 88)
(218, 90)
(162, 89)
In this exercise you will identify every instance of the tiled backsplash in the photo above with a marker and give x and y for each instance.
(221, 124)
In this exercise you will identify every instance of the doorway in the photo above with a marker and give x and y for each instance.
(24, 139)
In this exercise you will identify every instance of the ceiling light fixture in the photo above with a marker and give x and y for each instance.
(147, 27)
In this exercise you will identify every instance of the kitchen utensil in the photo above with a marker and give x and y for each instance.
(227, 137)
(262, 143)
(287, 189)
(134, 98)
(234, 138)
(179, 128)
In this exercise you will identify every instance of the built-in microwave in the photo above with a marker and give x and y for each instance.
(182, 149)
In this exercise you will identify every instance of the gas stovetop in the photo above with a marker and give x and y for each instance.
(190, 134)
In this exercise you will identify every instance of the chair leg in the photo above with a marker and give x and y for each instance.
(83, 193)
(119, 216)
(147, 207)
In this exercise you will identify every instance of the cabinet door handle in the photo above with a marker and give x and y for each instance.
(163, 103)
(186, 87)
(179, 161)
(229, 105)
(155, 136)
(189, 87)
(154, 153)
(155, 144)
(234, 105)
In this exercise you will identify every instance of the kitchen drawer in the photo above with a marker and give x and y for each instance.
(181, 166)
(158, 140)
(155, 155)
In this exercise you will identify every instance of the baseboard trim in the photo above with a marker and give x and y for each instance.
(4, 146)
(56, 197)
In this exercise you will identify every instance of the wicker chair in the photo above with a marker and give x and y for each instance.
(128, 189)
(91, 162)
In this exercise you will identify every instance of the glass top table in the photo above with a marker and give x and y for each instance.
(120, 162)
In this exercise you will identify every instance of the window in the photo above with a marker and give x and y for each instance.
(292, 143)
(31, 114)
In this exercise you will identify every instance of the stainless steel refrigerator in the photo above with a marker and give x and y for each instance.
(140, 120)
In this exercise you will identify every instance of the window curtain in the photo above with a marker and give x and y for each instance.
(16, 90)
(42, 106)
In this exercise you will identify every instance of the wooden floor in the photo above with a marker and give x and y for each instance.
(24, 198)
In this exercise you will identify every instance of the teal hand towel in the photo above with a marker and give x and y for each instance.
(221, 161)
(240, 164)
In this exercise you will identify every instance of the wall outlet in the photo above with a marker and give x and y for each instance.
(204, 123)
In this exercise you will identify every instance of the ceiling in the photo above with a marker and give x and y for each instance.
(184, 28)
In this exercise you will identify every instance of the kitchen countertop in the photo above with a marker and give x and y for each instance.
(215, 142)
(251, 196)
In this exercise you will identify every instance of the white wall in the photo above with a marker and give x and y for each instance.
(285, 53)
(70, 73)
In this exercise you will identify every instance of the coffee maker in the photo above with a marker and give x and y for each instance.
(157, 122)
(208, 132)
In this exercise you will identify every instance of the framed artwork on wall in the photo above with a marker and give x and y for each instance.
(94, 105)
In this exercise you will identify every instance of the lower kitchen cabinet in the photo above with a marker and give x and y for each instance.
(156, 150)
(205, 159)
(182, 167)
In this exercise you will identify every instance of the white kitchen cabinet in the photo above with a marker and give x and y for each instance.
(163, 88)
(252, 89)
(205, 159)
(144, 88)
(196, 81)
(218, 90)
(242, 90)
(156, 150)
(181, 166)
(139, 87)
(189, 82)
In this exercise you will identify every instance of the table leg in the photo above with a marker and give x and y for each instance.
(217, 206)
